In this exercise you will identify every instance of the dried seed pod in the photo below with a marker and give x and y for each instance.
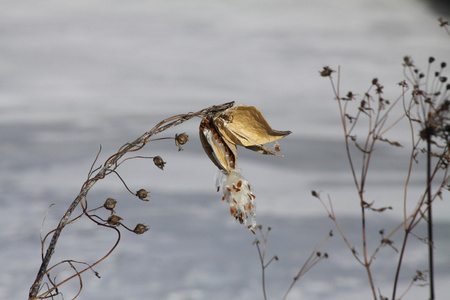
(142, 194)
(221, 153)
(114, 220)
(109, 204)
(140, 228)
(181, 139)
(159, 162)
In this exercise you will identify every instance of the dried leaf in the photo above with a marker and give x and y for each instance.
(393, 143)
(245, 126)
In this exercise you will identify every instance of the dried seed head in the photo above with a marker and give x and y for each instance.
(142, 194)
(379, 89)
(407, 61)
(114, 220)
(109, 204)
(326, 72)
(181, 139)
(431, 59)
(443, 22)
(403, 83)
(159, 162)
(140, 228)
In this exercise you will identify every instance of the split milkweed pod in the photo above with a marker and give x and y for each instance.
(222, 153)
(220, 132)
(245, 126)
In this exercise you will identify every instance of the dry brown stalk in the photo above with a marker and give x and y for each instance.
(429, 107)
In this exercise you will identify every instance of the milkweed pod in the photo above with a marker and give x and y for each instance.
(245, 126)
(222, 153)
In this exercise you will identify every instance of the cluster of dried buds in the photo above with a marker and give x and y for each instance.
(114, 220)
(220, 133)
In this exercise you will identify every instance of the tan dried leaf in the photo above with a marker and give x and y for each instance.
(245, 126)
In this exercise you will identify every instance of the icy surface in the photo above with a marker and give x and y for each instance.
(75, 75)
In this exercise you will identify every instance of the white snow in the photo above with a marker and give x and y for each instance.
(75, 75)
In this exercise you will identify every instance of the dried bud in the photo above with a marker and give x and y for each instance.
(140, 229)
(142, 194)
(443, 22)
(407, 61)
(159, 162)
(403, 84)
(379, 89)
(181, 139)
(114, 220)
(326, 72)
(109, 204)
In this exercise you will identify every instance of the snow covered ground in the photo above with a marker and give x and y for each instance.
(75, 75)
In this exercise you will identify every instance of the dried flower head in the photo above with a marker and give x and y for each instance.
(142, 194)
(181, 139)
(408, 62)
(326, 72)
(443, 22)
(109, 204)
(114, 220)
(140, 228)
(159, 162)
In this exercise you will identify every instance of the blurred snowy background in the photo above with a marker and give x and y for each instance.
(75, 75)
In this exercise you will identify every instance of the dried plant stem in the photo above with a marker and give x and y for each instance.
(359, 184)
(262, 256)
(430, 99)
(430, 221)
(109, 166)
(312, 260)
